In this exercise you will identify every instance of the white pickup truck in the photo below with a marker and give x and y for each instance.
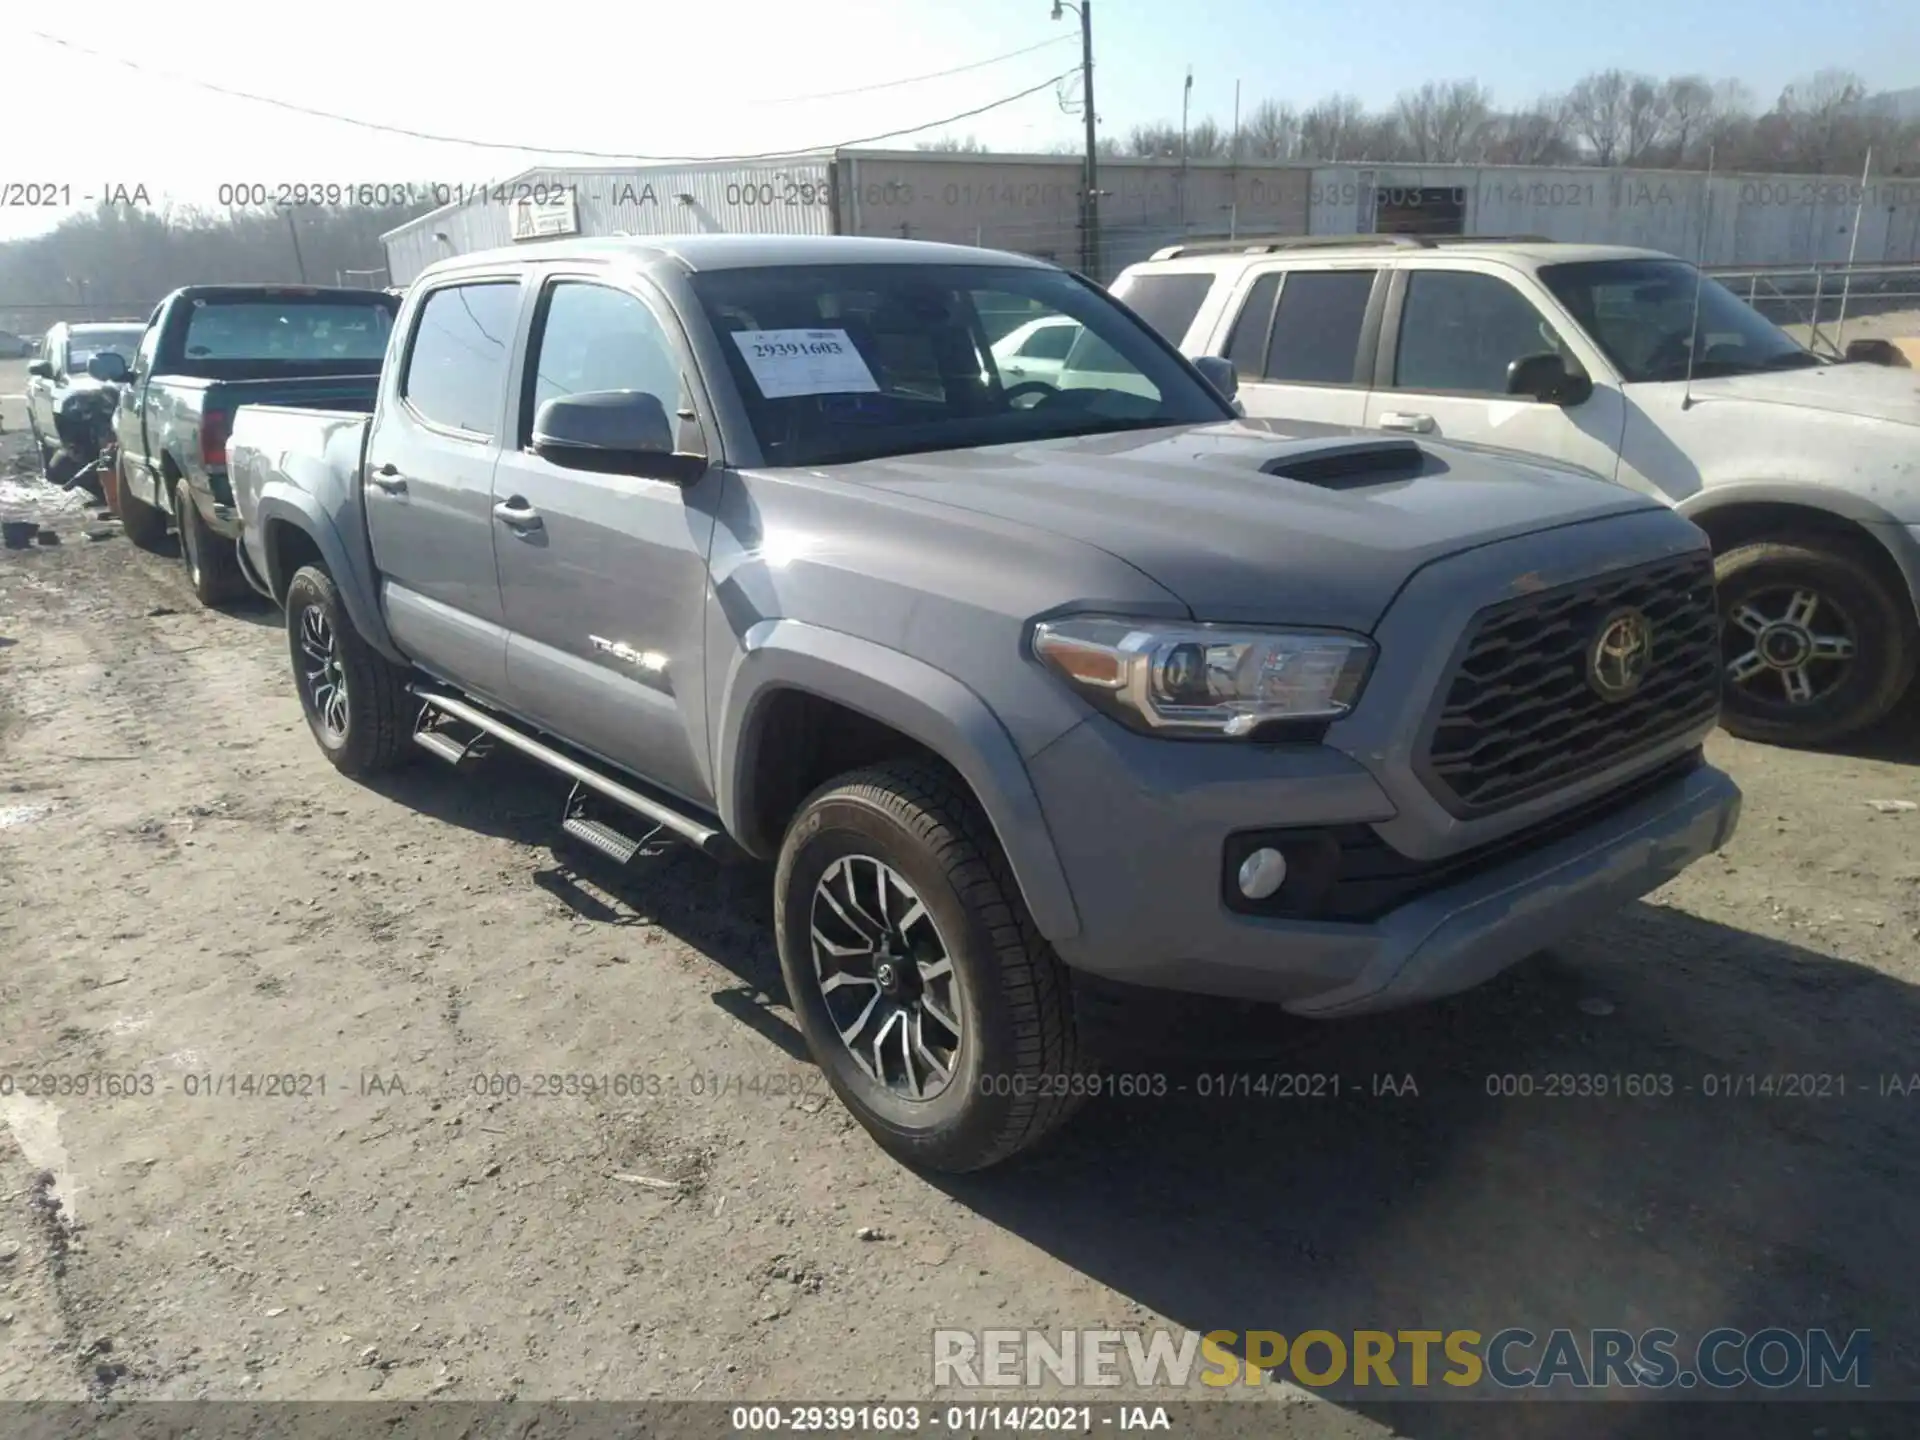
(1804, 471)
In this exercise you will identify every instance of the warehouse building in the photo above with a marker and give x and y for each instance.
(1031, 203)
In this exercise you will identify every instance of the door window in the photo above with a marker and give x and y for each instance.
(1247, 346)
(1166, 302)
(594, 338)
(457, 367)
(1459, 331)
(1316, 327)
(149, 342)
(1050, 342)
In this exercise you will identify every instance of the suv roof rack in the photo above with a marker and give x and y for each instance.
(1267, 244)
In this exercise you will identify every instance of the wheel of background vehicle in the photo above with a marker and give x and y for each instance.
(354, 698)
(212, 568)
(41, 453)
(1815, 644)
(936, 1011)
(146, 525)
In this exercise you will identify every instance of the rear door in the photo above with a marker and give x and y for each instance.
(1448, 336)
(604, 577)
(428, 486)
(1302, 342)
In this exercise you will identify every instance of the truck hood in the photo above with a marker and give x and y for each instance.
(1869, 392)
(1195, 509)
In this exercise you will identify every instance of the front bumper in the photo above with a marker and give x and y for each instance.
(1144, 860)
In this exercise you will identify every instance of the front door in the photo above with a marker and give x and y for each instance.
(1446, 372)
(603, 576)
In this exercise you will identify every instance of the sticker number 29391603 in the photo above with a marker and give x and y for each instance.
(804, 362)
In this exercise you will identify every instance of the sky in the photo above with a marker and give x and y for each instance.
(727, 77)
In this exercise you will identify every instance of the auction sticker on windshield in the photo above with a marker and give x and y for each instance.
(804, 362)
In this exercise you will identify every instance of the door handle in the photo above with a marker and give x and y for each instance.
(388, 478)
(1404, 420)
(517, 514)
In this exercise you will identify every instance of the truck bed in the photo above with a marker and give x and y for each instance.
(306, 459)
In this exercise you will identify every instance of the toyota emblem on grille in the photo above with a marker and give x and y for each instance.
(1622, 649)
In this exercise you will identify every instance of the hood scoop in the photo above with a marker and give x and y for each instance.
(1346, 465)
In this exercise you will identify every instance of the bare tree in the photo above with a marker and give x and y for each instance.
(1271, 132)
(952, 145)
(1338, 128)
(1644, 119)
(1596, 111)
(1206, 140)
(1691, 105)
(1445, 123)
(1534, 136)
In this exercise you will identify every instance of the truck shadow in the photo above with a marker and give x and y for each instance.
(1429, 1172)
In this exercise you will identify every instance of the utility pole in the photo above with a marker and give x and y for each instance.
(1090, 189)
(1186, 94)
(294, 235)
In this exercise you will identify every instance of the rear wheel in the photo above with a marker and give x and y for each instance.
(146, 525)
(1816, 644)
(354, 698)
(936, 1011)
(212, 567)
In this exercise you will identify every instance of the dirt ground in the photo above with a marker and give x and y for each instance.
(188, 891)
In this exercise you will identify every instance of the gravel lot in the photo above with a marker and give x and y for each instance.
(186, 889)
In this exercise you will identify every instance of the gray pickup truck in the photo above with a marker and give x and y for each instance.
(1015, 684)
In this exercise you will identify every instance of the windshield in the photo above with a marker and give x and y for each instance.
(295, 330)
(849, 362)
(1640, 312)
(83, 345)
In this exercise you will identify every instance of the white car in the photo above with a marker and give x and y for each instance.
(1804, 470)
(1056, 352)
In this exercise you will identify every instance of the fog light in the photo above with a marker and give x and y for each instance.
(1262, 873)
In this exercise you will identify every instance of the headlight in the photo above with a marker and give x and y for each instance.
(1176, 679)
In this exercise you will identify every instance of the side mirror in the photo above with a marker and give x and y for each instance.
(41, 369)
(613, 432)
(1546, 378)
(1218, 372)
(107, 365)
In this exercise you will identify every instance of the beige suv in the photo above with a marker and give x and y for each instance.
(1798, 465)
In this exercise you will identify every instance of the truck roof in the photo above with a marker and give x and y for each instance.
(239, 291)
(738, 252)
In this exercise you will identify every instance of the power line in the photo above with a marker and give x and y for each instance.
(296, 109)
(916, 79)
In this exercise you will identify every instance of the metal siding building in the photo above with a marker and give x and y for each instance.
(1030, 203)
(1751, 219)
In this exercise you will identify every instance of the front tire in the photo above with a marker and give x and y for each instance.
(212, 568)
(937, 1012)
(354, 698)
(1816, 645)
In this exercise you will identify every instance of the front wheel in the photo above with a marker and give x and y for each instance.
(1816, 644)
(936, 1011)
(354, 698)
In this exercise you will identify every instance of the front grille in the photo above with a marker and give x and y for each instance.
(1520, 717)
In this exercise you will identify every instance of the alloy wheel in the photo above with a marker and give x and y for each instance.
(323, 676)
(886, 976)
(1789, 645)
